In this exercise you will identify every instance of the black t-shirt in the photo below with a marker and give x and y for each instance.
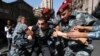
(42, 40)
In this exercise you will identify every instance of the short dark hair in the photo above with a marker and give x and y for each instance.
(43, 18)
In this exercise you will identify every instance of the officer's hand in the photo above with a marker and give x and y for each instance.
(59, 33)
(74, 34)
(30, 27)
(29, 37)
(54, 34)
(57, 28)
(29, 32)
(78, 27)
(78, 36)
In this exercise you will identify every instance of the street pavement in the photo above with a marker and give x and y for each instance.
(96, 51)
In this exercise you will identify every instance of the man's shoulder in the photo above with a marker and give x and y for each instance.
(34, 28)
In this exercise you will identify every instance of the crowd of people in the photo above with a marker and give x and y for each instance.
(69, 34)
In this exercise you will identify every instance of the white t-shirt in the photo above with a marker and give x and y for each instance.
(8, 35)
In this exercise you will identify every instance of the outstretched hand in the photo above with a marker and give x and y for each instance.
(78, 28)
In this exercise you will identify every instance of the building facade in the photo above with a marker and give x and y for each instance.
(37, 11)
(14, 9)
(87, 5)
(47, 4)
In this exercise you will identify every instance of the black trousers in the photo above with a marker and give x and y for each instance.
(9, 43)
(44, 50)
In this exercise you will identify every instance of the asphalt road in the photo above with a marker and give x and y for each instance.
(96, 51)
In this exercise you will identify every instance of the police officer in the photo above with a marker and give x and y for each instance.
(42, 35)
(74, 47)
(19, 38)
(52, 22)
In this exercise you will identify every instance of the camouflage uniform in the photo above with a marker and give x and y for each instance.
(19, 41)
(74, 48)
(52, 42)
(95, 33)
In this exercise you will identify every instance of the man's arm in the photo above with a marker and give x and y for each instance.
(92, 28)
(96, 28)
(30, 33)
(61, 34)
(88, 28)
(82, 37)
(94, 34)
(84, 28)
(77, 34)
